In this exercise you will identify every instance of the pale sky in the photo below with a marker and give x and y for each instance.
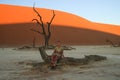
(102, 11)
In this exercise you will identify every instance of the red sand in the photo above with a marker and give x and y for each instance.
(17, 14)
(15, 22)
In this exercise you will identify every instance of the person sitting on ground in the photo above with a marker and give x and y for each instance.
(57, 55)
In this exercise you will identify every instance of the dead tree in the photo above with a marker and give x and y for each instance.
(71, 60)
(33, 45)
(45, 33)
(109, 41)
(114, 45)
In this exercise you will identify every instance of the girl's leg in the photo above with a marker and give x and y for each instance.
(53, 60)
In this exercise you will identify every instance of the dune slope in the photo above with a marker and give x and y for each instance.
(16, 22)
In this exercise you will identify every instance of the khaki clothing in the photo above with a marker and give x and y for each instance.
(57, 55)
(58, 51)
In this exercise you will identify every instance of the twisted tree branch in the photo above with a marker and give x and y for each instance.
(45, 32)
(52, 17)
(37, 31)
(49, 24)
(41, 21)
(37, 21)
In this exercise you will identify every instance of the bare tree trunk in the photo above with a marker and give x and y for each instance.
(46, 33)
(33, 42)
(71, 60)
(44, 55)
(47, 40)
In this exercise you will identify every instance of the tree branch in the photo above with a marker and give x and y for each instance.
(37, 12)
(37, 31)
(52, 17)
(44, 32)
(49, 24)
(42, 24)
(37, 21)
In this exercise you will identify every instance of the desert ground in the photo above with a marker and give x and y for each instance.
(13, 67)
(70, 29)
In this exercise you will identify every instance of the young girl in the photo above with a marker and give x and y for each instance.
(57, 54)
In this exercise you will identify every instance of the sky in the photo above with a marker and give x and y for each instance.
(101, 11)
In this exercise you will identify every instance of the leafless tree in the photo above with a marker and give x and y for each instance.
(113, 44)
(45, 33)
(33, 42)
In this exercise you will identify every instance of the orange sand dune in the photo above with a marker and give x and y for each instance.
(17, 14)
(16, 22)
(14, 35)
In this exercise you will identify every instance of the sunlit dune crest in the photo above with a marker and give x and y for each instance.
(17, 14)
